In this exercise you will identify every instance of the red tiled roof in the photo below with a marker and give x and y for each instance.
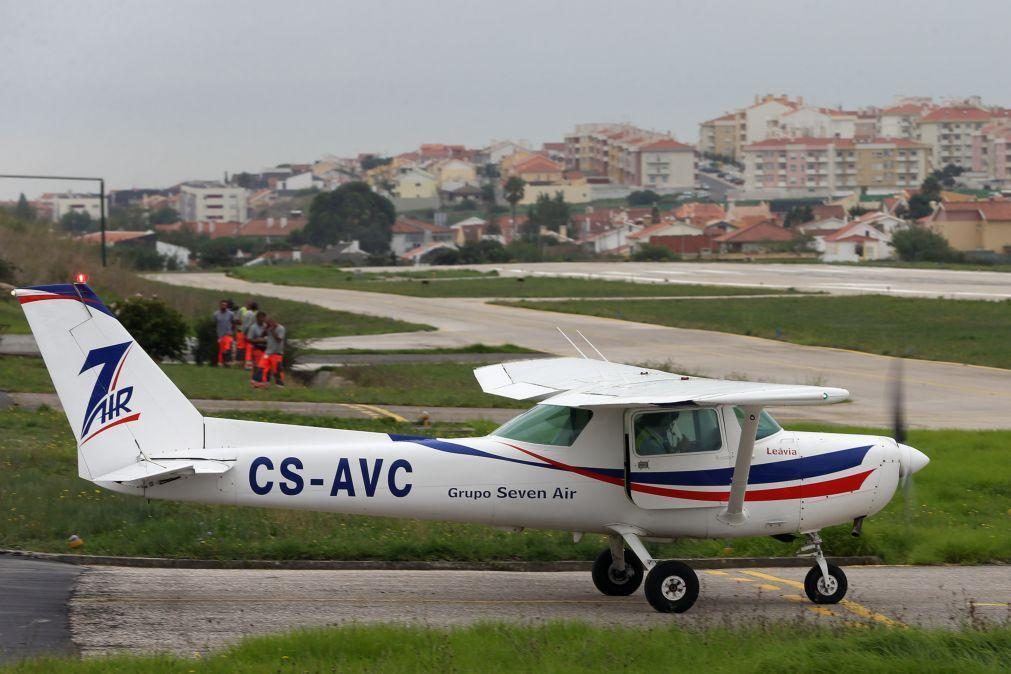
(272, 226)
(905, 109)
(668, 144)
(757, 233)
(537, 163)
(957, 113)
(405, 225)
(998, 209)
(825, 211)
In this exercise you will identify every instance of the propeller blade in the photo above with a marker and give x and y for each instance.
(898, 403)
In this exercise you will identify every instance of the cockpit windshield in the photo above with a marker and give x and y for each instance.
(546, 425)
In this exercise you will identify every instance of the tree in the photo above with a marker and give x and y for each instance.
(647, 252)
(244, 179)
(352, 211)
(642, 198)
(917, 243)
(165, 215)
(24, 210)
(920, 203)
(371, 161)
(857, 211)
(130, 218)
(514, 189)
(550, 214)
(76, 222)
(157, 327)
(798, 215)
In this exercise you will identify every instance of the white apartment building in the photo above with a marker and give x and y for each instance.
(212, 202)
(61, 204)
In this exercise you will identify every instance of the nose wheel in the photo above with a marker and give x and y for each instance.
(825, 583)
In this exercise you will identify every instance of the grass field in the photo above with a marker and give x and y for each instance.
(578, 647)
(959, 511)
(481, 286)
(430, 384)
(962, 331)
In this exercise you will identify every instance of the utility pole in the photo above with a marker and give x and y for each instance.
(101, 193)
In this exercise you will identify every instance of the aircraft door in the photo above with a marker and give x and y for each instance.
(675, 456)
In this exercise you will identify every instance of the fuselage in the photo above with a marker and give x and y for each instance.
(798, 481)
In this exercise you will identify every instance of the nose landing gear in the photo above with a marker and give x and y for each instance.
(825, 583)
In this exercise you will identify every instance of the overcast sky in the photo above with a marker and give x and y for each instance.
(150, 92)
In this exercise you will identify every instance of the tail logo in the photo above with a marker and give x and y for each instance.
(109, 404)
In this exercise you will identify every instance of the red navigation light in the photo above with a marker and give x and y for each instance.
(80, 278)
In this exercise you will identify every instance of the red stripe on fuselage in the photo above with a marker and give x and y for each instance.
(132, 417)
(824, 488)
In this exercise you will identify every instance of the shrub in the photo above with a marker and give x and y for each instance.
(157, 327)
(650, 253)
(205, 347)
(921, 244)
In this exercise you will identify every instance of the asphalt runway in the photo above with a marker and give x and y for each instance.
(938, 395)
(33, 608)
(193, 611)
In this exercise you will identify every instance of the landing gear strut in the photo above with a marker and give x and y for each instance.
(617, 571)
(825, 583)
(671, 586)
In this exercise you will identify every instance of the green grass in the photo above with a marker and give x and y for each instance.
(579, 647)
(303, 320)
(959, 513)
(483, 286)
(962, 331)
(429, 384)
(473, 348)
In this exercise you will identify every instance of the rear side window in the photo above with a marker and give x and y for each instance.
(547, 425)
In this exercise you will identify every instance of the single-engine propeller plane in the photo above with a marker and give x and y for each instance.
(633, 453)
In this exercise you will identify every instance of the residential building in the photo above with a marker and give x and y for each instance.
(762, 118)
(975, 225)
(469, 231)
(499, 150)
(902, 118)
(760, 237)
(665, 164)
(212, 202)
(536, 169)
(949, 131)
(459, 171)
(868, 124)
(59, 205)
(700, 213)
(811, 122)
(440, 151)
(302, 181)
(792, 167)
(411, 233)
(991, 153)
(857, 242)
(615, 152)
(723, 136)
(669, 228)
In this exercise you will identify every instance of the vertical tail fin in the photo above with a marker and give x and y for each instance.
(119, 402)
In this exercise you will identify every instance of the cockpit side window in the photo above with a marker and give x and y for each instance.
(677, 432)
(766, 424)
(547, 425)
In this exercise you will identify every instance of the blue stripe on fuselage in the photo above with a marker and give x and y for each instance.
(763, 473)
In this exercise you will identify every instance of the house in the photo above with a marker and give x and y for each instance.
(469, 230)
(699, 213)
(303, 181)
(613, 241)
(498, 151)
(179, 255)
(975, 225)
(668, 228)
(819, 229)
(536, 169)
(271, 229)
(759, 237)
(451, 193)
(856, 242)
(411, 233)
(457, 171)
(411, 182)
(425, 253)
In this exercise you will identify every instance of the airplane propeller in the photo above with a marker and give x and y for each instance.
(899, 431)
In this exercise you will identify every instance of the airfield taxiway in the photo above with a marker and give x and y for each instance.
(189, 611)
(938, 395)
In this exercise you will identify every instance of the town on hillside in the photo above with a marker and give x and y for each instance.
(915, 179)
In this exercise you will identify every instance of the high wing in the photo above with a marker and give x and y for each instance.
(579, 382)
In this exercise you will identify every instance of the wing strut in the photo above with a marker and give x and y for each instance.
(734, 514)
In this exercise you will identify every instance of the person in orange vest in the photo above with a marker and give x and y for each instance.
(246, 317)
(256, 338)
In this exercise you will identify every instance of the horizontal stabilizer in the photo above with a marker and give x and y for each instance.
(161, 469)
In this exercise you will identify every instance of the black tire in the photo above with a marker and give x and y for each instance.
(672, 587)
(609, 582)
(816, 588)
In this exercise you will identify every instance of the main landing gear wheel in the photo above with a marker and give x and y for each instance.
(672, 587)
(825, 590)
(613, 582)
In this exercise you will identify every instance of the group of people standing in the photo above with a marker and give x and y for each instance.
(251, 335)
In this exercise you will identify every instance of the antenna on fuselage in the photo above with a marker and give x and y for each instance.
(571, 342)
(602, 356)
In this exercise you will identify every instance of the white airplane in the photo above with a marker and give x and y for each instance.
(632, 453)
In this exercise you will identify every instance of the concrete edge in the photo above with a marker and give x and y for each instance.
(379, 565)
